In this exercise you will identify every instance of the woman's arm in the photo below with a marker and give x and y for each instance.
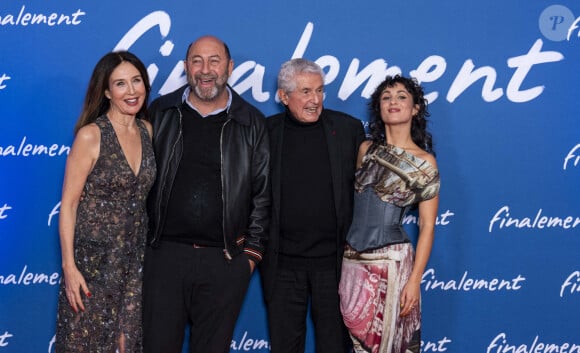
(427, 216)
(362, 150)
(81, 159)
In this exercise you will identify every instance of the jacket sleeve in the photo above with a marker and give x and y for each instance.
(360, 134)
(259, 224)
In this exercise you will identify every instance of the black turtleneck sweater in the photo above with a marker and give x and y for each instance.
(308, 218)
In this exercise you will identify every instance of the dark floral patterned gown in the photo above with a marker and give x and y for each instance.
(109, 245)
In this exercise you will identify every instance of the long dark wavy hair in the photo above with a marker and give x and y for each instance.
(419, 134)
(95, 103)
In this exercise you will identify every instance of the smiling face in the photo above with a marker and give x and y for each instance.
(397, 106)
(126, 90)
(208, 68)
(305, 101)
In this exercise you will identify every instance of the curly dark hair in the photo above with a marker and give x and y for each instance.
(419, 133)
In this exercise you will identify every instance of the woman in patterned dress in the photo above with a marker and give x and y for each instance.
(381, 272)
(103, 222)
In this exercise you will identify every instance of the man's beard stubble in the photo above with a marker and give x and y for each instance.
(208, 94)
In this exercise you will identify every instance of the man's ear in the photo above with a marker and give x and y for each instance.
(283, 96)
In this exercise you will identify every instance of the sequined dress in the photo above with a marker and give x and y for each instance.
(109, 245)
(379, 258)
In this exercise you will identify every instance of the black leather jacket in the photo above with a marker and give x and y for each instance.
(245, 172)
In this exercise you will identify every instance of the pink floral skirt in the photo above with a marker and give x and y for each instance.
(370, 289)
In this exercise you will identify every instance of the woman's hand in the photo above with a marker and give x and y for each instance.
(74, 285)
(410, 296)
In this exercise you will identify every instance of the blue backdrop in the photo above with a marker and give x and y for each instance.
(502, 79)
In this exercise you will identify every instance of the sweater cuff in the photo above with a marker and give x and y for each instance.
(253, 254)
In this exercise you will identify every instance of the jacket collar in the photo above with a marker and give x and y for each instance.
(237, 110)
(185, 95)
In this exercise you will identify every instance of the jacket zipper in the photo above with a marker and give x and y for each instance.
(227, 254)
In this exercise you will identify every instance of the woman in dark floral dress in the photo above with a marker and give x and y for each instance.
(381, 272)
(103, 220)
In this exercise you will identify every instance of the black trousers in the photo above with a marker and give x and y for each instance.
(182, 285)
(288, 307)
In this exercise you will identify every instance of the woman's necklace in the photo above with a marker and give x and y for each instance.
(120, 123)
(404, 146)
